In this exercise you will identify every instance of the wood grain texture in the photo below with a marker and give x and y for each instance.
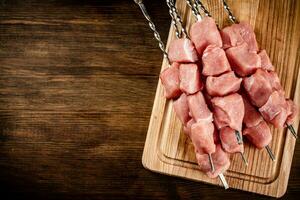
(77, 83)
(173, 153)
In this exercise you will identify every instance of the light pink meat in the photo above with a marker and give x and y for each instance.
(204, 33)
(229, 110)
(258, 87)
(219, 119)
(266, 63)
(170, 80)
(292, 111)
(223, 85)
(259, 135)
(202, 136)
(189, 76)
(229, 141)
(216, 136)
(198, 108)
(187, 127)
(252, 116)
(274, 81)
(221, 162)
(220, 159)
(275, 109)
(181, 108)
(248, 35)
(242, 61)
(182, 50)
(231, 37)
(214, 61)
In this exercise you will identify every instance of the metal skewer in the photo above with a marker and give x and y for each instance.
(270, 153)
(176, 18)
(231, 17)
(153, 28)
(211, 163)
(292, 130)
(244, 159)
(223, 180)
(200, 4)
(194, 9)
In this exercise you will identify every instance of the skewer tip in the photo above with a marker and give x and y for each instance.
(211, 163)
(270, 153)
(223, 180)
(244, 159)
(292, 130)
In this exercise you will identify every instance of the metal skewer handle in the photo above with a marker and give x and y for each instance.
(200, 4)
(175, 16)
(153, 28)
(195, 11)
(231, 17)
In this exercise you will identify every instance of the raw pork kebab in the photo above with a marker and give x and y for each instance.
(238, 41)
(211, 158)
(189, 101)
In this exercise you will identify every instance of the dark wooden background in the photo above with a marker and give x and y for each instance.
(77, 83)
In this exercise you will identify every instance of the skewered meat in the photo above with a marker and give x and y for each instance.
(266, 63)
(170, 80)
(229, 110)
(274, 81)
(189, 76)
(181, 108)
(248, 35)
(292, 111)
(188, 126)
(220, 159)
(223, 85)
(229, 142)
(242, 60)
(252, 117)
(214, 61)
(258, 87)
(202, 136)
(198, 108)
(182, 50)
(204, 33)
(231, 37)
(259, 135)
(275, 109)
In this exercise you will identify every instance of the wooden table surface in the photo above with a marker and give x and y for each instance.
(77, 83)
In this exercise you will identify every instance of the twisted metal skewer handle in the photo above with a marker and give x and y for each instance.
(231, 17)
(195, 11)
(153, 28)
(173, 16)
(176, 15)
(200, 4)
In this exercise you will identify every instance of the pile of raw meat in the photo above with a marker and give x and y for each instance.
(223, 85)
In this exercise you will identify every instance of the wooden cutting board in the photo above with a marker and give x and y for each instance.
(168, 151)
